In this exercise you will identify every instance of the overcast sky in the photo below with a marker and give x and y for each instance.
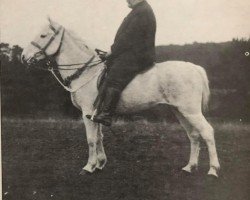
(179, 21)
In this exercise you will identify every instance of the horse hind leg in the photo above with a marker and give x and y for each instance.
(193, 136)
(205, 130)
(207, 133)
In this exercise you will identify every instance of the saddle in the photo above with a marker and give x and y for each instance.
(101, 78)
(101, 87)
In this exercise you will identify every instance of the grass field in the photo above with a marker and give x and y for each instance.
(42, 160)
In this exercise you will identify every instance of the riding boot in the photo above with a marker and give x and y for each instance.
(108, 107)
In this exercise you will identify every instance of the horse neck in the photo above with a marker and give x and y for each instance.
(70, 53)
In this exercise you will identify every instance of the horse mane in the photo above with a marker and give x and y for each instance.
(84, 45)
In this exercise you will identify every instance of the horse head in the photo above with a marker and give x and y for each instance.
(46, 44)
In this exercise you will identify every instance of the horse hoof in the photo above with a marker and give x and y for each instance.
(213, 175)
(213, 172)
(84, 172)
(187, 170)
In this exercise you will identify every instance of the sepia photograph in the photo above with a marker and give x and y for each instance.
(125, 99)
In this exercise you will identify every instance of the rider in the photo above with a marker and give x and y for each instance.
(133, 51)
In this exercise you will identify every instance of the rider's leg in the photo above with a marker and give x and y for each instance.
(108, 106)
(119, 75)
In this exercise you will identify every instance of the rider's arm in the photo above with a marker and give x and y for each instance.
(130, 38)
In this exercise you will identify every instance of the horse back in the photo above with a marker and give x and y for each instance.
(165, 83)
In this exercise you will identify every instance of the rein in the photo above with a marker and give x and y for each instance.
(53, 67)
(59, 67)
(77, 88)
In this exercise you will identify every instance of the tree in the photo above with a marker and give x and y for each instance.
(16, 53)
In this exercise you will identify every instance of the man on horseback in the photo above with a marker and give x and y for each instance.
(132, 52)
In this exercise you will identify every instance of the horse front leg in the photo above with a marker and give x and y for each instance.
(91, 132)
(101, 156)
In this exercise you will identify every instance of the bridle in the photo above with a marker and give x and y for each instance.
(42, 50)
(52, 65)
(49, 59)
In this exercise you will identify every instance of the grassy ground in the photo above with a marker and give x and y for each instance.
(42, 159)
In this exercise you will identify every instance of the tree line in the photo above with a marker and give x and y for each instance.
(34, 93)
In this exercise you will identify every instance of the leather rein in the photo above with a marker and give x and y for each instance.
(54, 68)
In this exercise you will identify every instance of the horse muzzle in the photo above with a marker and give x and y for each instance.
(29, 59)
(28, 62)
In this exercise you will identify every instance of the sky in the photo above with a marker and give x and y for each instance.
(178, 21)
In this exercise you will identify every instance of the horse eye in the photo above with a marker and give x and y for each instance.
(43, 35)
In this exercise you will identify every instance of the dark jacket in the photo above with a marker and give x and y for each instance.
(136, 36)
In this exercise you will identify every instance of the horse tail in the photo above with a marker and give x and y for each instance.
(205, 90)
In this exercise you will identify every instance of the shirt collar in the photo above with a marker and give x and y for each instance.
(139, 4)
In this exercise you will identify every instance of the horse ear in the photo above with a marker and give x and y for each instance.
(52, 22)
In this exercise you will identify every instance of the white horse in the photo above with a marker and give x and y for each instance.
(182, 85)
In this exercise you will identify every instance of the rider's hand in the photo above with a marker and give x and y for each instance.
(108, 55)
(105, 56)
(102, 57)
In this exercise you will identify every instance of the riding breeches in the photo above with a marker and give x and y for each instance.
(122, 70)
